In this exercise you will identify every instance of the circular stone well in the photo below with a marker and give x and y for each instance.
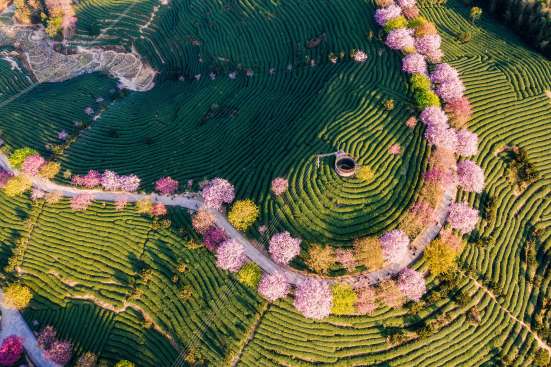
(345, 165)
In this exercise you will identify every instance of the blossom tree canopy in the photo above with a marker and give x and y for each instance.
(90, 180)
(441, 136)
(273, 286)
(459, 111)
(279, 186)
(414, 63)
(202, 221)
(283, 247)
(410, 12)
(158, 210)
(428, 45)
(4, 177)
(450, 90)
(111, 181)
(400, 39)
(444, 73)
(46, 337)
(406, 3)
(395, 245)
(60, 352)
(81, 202)
(166, 185)
(462, 217)
(230, 256)
(313, 298)
(412, 284)
(467, 143)
(213, 237)
(218, 192)
(11, 350)
(434, 116)
(470, 176)
(383, 15)
(31, 165)
(359, 56)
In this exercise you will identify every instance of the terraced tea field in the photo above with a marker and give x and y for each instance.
(128, 287)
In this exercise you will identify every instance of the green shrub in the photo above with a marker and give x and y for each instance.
(250, 275)
(420, 82)
(426, 98)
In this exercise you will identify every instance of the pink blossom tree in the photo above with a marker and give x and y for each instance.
(450, 91)
(60, 352)
(37, 194)
(462, 217)
(441, 136)
(395, 149)
(202, 221)
(279, 186)
(346, 258)
(217, 192)
(414, 64)
(359, 56)
(395, 245)
(313, 298)
(428, 45)
(158, 210)
(459, 111)
(11, 350)
(467, 143)
(230, 256)
(121, 203)
(444, 73)
(129, 183)
(283, 247)
(273, 286)
(213, 237)
(434, 116)
(90, 180)
(31, 165)
(383, 15)
(366, 302)
(470, 176)
(411, 12)
(4, 177)
(412, 284)
(46, 337)
(400, 39)
(81, 202)
(406, 3)
(166, 186)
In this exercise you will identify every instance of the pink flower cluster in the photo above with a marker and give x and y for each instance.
(60, 352)
(400, 39)
(395, 149)
(434, 116)
(441, 136)
(462, 217)
(279, 186)
(406, 3)
(31, 165)
(81, 202)
(11, 350)
(230, 255)
(414, 64)
(412, 284)
(110, 181)
(449, 86)
(283, 247)
(166, 186)
(217, 192)
(443, 177)
(4, 177)
(158, 210)
(37, 194)
(383, 15)
(273, 286)
(395, 245)
(444, 73)
(313, 298)
(428, 45)
(470, 176)
(467, 143)
(213, 237)
(359, 56)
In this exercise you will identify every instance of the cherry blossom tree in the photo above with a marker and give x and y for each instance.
(202, 221)
(462, 217)
(359, 56)
(411, 122)
(11, 350)
(406, 3)
(81, 202)
(450, 91)
(434, 116)
(400, 39)
(166, 186)
(218, 192)
(395, 149)
(441, 136)
(412, 284)
(158, 210)
(230, 255)
(383, 15)
(273, 286)
(366, 303)
(213, 237)
(459, 111)
(4, 177)
(444, 73)
(60, 352)
(121, 203)
(313, 298)
(428, 45)
(46, 337)
(470, 176)
(31, 165)
(90, 180)
(467, 143)
(414, 64)
(37, 194)
(279, 186)
(395, 245)
(346, 258)
(411, 12)
(283, 247)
